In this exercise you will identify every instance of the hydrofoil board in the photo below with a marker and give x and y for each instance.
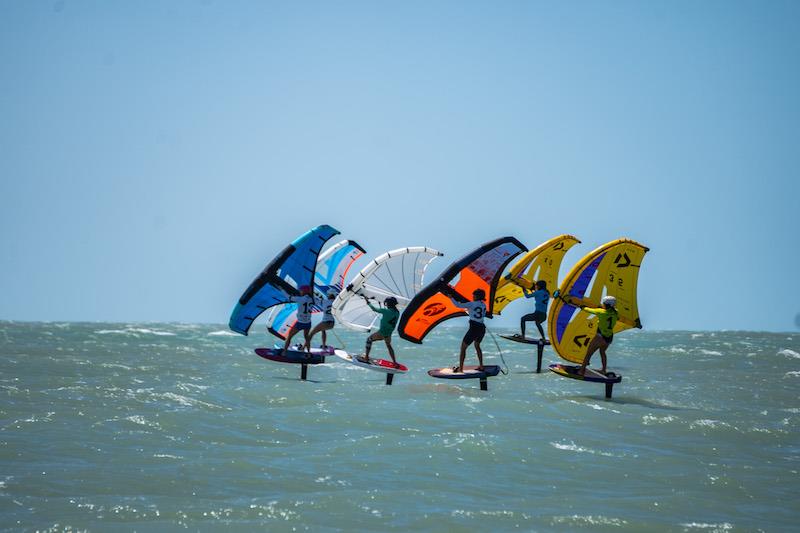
(296, 357)
(525, 340)
(378, 365)
(321, 350)
(593, 375)
(470, 372)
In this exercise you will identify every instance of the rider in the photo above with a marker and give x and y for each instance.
(607, 318)
(541, 298)
(326, 304)
(477, 329)
(389, 318)
(304, 303)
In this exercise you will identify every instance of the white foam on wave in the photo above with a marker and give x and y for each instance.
(115, 365)
(459, 438)
(223, 333)
(471, 399)
(598, 407)
(135, 332)
(32, 420)
(789, 353)
(146, 331)
(572, 447)
(328, 480)
(649, 420)
(110, 331)
(590, 520)
(725, 526)
(271, 511)
(142, 421)
(185, 387)
(675, 349)
(709, 352)
(761, 430)
(708, 423)
(793, 373)
(472, 514)
(189, 402)
(136, 419)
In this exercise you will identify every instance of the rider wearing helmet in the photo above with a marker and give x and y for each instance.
(304, 303)
(389, 317)
(609, 300)
(607, 317)
(477, 329)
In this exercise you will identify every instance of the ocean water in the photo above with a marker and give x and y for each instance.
(166, 427)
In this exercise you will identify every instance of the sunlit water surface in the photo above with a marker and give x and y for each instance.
(154, 427)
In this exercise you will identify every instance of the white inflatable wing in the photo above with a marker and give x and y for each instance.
(399, 273)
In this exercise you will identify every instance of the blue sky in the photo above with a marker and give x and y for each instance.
(155, 155)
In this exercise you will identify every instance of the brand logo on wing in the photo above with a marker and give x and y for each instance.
(433, 309)
(622, 260)
(581, 340)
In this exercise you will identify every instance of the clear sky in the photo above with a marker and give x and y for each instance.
(155, 155)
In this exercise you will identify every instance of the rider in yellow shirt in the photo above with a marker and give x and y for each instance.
(607, 317)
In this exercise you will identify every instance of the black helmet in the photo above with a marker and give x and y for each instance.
(480, 294)
(391, 301)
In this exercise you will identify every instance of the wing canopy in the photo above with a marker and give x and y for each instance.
(399, 273)
(332, 268)
(479, 269)
(611, 269)
(541, 263)
(291, 269)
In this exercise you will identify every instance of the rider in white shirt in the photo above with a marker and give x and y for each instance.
(477, 329)
(326, 304)
(304, 303)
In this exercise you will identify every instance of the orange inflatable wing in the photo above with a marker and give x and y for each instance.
(479, 269)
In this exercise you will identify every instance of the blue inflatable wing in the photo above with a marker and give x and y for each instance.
(332, 267)
(283, 276)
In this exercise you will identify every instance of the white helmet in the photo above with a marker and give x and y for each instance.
(609, 300)
(332, 293)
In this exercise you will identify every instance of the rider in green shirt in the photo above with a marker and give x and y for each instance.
(389, 317)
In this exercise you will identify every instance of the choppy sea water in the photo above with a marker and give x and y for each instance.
(161, 427)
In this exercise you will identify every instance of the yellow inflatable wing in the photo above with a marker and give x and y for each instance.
(611, 269)
(541, 263)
